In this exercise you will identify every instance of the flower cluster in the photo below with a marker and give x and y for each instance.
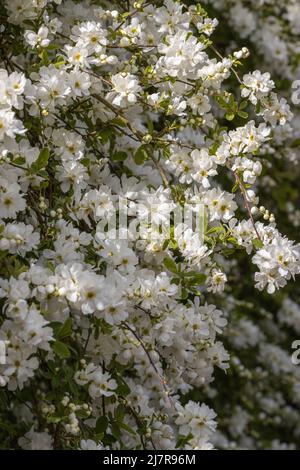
(113, 334)
(262, 333)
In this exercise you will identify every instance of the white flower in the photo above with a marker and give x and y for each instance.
(100, 383)
(33, 440)
(19, 238)
(180, 162)
(217, 281)
(170, 17)
(89, 444)
(203, 167)
(182, 55)
(81, 287)
(256, 86)
(23, 149)
(19, 368)
(276, 111)
(35, 332)
(221, 204)
(38, 39)
(277, 263)
(11, 88)
(243, 20)
(214, 73)
(289, 314)
(247, 139)
(117, 253)
(11, 200)
(250, 168)
(90, 35)
(72, 173)
(191, 245)
(200, 104)
(50, 87)
(126, 89)
(80, 83)
(77, 56)
(293, 16)
(196, 419)
(9, 125)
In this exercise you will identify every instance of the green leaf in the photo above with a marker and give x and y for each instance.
(50, 265)
(173, 244)
(61, 349)
(115, 429)
(43, 173)
(82, 414)
(222, 102)
(150, 126)
(59, 63)
(123, 388)
(232, 240)
(54, 419)
(229, 116)
(66, 329)
(140, 155)
(85, 162)
(194, 279)
(165, 244)
(101, 424)
(243, 104)
(19, 161)
(3, 399)
(119, 156)
(44, 57)
(127, 428)
(170, 264)
(235, 188)
(184, 294)
(183, 440)
(243, 114)
(42, 160)
(200, 278)
(120, 412)
(296, 143)
(228, 252)
(52, 47)
(119, 121)
(215, 230)
(258, 244)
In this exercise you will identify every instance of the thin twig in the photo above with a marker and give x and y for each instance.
(246, 202)
(231, 68)
(162, 379)
(140, 136)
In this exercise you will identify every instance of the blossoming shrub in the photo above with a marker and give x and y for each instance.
(113, 335)
(262, 389)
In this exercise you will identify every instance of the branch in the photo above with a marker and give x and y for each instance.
(246, 202)
(161, 378)
(139, 135)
